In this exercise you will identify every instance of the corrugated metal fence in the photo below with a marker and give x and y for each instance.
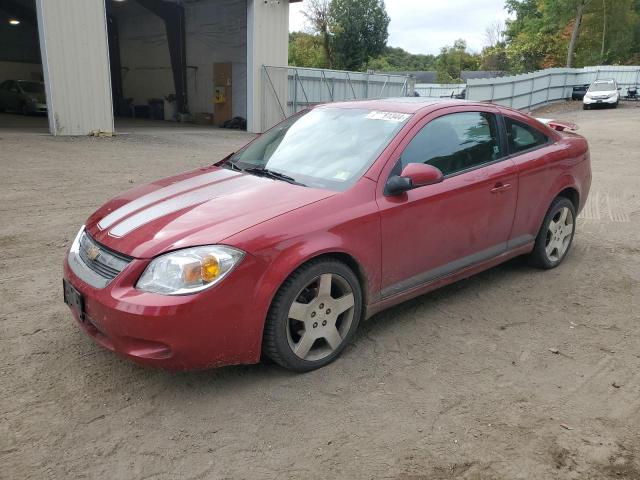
(438, 90)
(531, 90)
(311, 86)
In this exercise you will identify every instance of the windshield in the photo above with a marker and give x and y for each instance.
(32, 87)
(602, 87)
(324, 148)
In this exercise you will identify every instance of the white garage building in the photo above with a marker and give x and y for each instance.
(207, 55)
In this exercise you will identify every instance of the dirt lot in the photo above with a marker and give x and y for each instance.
(460, 383)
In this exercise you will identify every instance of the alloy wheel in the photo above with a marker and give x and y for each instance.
(320, 317)
(559, 234)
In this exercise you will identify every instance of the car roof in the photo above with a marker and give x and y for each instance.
(400, 104)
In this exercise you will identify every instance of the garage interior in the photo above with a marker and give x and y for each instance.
(185, 61)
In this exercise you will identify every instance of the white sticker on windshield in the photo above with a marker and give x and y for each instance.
(388, 116)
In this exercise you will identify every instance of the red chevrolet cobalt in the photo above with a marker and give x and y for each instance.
(284, 247)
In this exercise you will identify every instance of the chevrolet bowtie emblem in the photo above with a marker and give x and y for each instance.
(93, 252)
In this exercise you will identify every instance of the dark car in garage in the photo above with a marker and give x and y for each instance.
(24, 96)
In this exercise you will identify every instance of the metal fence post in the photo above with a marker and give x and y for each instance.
(384, 86)
(533, 83)
(304, 93)
(513, 93)
(549, 88)
(324, 77)
(355, 97)
(295, 91)
(275, 93)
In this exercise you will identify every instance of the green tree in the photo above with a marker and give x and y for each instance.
(359, 31)
(399, 60)
(551, 33)
(306, 50)
(318, 14)
(453, 59)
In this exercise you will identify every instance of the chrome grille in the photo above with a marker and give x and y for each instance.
(106, 263)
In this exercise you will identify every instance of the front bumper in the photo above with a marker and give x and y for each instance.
(215, 327)
(604, 101)
(35, 108)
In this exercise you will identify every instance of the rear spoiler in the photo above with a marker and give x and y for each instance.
(558, 125)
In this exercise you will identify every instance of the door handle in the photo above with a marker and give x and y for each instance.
(500, 187)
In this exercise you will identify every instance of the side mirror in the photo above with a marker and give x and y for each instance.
(414, 175)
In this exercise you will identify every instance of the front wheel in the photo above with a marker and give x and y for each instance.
(556, 235)
(313, 316)
(585, 106)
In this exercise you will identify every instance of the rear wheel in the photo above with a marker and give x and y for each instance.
(556, 235)
(313, 316)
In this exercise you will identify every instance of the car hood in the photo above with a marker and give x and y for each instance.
(601, 93)
(197, 208)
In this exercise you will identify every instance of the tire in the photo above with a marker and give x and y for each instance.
(555, 237)
(298, 333)
(585, 106)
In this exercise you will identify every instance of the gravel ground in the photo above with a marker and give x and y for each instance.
(460, 383)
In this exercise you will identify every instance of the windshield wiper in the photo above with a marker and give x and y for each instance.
(264, 172)
(231, 165)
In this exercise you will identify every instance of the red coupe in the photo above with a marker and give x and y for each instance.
(339, 212)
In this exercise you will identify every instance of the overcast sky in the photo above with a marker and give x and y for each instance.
(425, 26)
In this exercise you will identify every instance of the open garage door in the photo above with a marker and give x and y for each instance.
(180, 61)
(22, 94)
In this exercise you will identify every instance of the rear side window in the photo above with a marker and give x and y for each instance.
(456, 142)
(522, 137)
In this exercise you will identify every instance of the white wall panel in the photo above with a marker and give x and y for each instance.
(75, 57)
(267, 44)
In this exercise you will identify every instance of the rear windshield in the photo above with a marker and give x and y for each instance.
(602, 87)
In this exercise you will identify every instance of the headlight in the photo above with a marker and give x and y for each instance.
(190, 270)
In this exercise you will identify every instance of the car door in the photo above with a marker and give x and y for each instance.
(433, 231)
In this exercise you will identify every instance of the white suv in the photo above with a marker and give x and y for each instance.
(604, 92)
